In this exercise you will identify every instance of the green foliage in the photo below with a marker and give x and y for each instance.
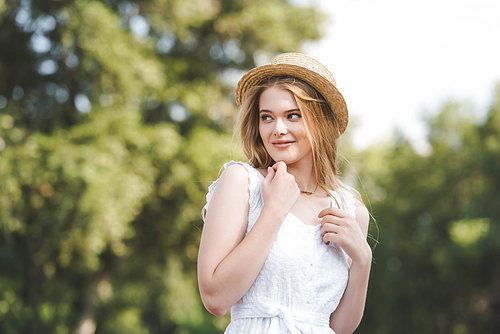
(434, 270)
(70, 197)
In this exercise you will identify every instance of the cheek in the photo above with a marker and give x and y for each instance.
(305, 138)
(304, 131)
(262, 136)
(263, 131)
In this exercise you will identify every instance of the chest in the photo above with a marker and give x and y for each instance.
(307, 208)
(301, 245)
(301, 263)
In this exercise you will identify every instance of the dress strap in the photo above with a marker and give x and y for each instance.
(296, 321)
(346, 200)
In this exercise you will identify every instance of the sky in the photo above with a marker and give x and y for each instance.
(393, 60)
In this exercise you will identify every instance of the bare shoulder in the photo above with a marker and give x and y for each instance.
(227, 211)
(362, 216)
(233, 184)
(234, 177)
(235, 172)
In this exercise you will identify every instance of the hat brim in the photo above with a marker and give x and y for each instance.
(329, 92)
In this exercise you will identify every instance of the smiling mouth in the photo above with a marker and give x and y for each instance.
(283, 144)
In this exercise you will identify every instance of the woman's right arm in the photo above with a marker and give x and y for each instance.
(229, 261)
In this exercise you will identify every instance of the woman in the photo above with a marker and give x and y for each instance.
(284, 242)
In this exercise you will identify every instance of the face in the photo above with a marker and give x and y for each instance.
(281, 127)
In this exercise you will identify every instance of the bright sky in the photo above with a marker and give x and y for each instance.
(392, 59)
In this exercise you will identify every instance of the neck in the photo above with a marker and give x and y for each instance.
(304, 175)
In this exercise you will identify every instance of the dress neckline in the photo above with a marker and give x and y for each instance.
(302, 223)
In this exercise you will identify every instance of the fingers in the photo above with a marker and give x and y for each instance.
(279, 181)
(270, 175)
(334, 229)
(333, 237)
(271, 171)
(280, 166)
(332, 220)
(332, 232)
(334, 212)
(329, 228)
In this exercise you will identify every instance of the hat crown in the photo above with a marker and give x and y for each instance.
(299, 59)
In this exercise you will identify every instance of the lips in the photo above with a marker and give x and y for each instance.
(282, 143)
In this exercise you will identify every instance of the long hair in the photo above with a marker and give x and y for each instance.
(320, 125)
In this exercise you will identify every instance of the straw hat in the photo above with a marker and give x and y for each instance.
(304, 68)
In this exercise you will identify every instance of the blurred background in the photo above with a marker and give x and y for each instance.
(115, 116)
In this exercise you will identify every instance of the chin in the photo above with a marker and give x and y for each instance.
(287, 161)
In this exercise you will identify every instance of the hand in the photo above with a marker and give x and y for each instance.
(341, 228)
(279, 190)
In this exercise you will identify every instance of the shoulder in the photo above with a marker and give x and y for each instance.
(234, 188)
(234, 178)
(242, 171)
(231, 188)
(239, 181)
(235, 171)
(362, 216)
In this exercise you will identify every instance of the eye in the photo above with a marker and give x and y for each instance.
(265, 117)
(294, 116)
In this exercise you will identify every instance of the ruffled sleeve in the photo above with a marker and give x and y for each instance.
(254, 180)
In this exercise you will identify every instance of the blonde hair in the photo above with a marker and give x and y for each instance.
(320, 124)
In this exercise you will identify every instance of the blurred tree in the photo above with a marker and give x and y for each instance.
(114, 118)
(436, 270)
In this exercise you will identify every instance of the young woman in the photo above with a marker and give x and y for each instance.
(284, 241)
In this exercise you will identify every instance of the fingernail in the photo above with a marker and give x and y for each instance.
(269, 169)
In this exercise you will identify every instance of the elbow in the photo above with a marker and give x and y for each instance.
(346, 326)
(214, 297)
(214, 305)
(217, 311)
(213, 300)
(347, 329)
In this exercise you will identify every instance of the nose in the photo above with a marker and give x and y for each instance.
(280, 128)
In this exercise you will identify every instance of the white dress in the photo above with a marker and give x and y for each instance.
(302, 280)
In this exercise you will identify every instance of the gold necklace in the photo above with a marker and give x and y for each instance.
(309, 192)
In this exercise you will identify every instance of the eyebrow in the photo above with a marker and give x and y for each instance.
(286, 111)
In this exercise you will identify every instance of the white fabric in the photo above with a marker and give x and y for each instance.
(302, 280)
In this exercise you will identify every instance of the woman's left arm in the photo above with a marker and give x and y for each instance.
(350, 234)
